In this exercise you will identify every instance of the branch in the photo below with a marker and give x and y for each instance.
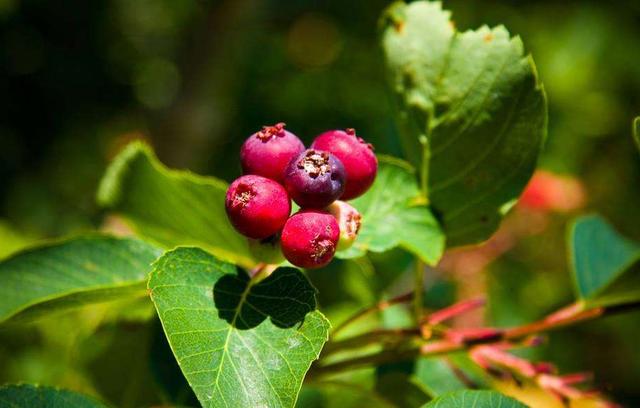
(463, 339)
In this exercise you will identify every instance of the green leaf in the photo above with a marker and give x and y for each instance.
(171, 207)
(636, 131)
(11, 240)
(333, 393)
(440, 375)
(238, 343)
(401, 389)
(472, 114)
(605, 265)
(392, 216)
(34, 396)
(475, 399)
(73, 272)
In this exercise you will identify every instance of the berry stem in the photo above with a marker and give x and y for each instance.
(424, 169)
(261, 271)
(424, 190)
(419, 291)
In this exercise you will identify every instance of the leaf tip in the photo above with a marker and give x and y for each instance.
(110, 191)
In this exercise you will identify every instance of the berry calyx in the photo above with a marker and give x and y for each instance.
(267, 152)
(357, 156)
(349, 221)
(257, 206)
(309, 238)
(314, 179)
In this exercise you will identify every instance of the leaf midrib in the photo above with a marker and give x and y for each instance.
(236, 315)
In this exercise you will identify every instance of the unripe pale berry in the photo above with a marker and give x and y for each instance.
(357, 156)
(257, 206)
(314, 179)
(267, 152)
(349, 221)
(309, 238)
(266, 250)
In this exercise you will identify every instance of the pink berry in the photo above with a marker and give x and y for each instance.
(309, 238)
(314, 179)
(257, 206)
(356, 155)
(349, 221)
(267, 152)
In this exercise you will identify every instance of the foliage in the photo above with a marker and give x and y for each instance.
(238, 342)
(29, 396)
(472, 114)
(73, 272)
(187, 209)
(604, 264)
(471, 117)
(478, 399)
(393, 216)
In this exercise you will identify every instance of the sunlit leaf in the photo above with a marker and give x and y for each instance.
(475, 399)
(11, 240)
(392, 216)
(605, 265)
(171, 207)
(238, 343)
(73, 272)
(34, 396)
(472, 114)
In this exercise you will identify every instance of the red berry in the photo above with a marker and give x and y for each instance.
(309, 238)
(267, 152)
(314, 179)
(349, 221)
(356, 155)
(256, 206)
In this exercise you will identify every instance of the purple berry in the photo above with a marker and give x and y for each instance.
(266, 153)
(357, 156)
(314, 179)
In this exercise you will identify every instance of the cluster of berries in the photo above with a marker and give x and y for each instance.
(278, 168)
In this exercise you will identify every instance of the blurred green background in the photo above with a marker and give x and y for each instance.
(79, 79)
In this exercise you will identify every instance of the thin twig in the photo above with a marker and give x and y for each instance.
(418, 291)
(404, 298)
(372, 337)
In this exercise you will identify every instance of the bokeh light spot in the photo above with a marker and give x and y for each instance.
(314, 41)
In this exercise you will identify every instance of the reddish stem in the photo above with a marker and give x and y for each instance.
(567, 316)
(454, 310)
